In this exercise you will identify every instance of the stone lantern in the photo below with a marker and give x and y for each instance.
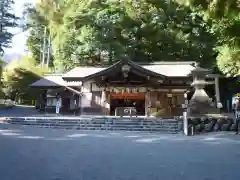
(200, 103)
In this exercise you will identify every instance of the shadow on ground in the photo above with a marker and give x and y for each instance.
(48, 154)
(18, 110)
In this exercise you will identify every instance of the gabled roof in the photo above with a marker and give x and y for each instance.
(54, 81)
(140, 70)
(82, 72)
(168, 69)
(171, 70)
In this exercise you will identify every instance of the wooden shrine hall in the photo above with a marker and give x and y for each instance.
(141, 89)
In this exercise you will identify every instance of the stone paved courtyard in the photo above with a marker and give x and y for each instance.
(52, 154)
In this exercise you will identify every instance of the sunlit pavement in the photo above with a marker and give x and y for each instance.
(29, 153)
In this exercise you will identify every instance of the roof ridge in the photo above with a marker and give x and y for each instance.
(147, 63)
(53, 74)
(169, 63)
(90, 67)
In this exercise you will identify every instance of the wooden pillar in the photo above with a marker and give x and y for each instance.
(169, 100)
(80, 100)
(103, 99)
(147, 103)
(217, 91)
(216, 86)
(105, 102)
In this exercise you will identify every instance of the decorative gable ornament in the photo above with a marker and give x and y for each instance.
(125, 70)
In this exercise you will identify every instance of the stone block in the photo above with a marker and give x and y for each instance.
(209, 127)
(199, 127)
(233, 127)
(225, 127)
(216, 127)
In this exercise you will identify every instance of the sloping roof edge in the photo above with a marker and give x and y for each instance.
(125, 60)
(48, 81)
(54, 80)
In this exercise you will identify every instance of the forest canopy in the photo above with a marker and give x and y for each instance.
(94, 32)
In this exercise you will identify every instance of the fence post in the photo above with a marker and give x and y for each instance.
(185, 123)
(185, 115)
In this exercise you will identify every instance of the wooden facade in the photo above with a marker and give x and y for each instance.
(167, 101)
(152, 93)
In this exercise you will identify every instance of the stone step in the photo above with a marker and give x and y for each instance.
(114, 129)
(92, 124)
(94, 127)
(118, 120)
(151, 125)
(162, 125)
(95, 121)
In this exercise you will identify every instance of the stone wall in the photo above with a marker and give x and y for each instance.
(211, 124)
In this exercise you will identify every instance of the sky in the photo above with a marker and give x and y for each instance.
(19, 41)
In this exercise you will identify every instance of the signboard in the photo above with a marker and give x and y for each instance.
(125, 111)
(127, 95)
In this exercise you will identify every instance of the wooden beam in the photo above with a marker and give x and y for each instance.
(73, 90)
(170, 87)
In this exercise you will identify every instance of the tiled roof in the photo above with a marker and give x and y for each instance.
(177, 70)
(54, 81)
(83, 71)
(170, 69)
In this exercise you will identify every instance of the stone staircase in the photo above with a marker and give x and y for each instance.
(102, 123)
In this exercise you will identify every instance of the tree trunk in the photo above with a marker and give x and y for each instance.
(110, 56)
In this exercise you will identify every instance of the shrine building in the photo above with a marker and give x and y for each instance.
(147, 88)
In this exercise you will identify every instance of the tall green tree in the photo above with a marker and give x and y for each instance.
(44, 14)
(223, 19)
(146, 31)
(36, 24)
(216, 9)
(7, 20)
(98, 32)
(18, 75)
(2, 63)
